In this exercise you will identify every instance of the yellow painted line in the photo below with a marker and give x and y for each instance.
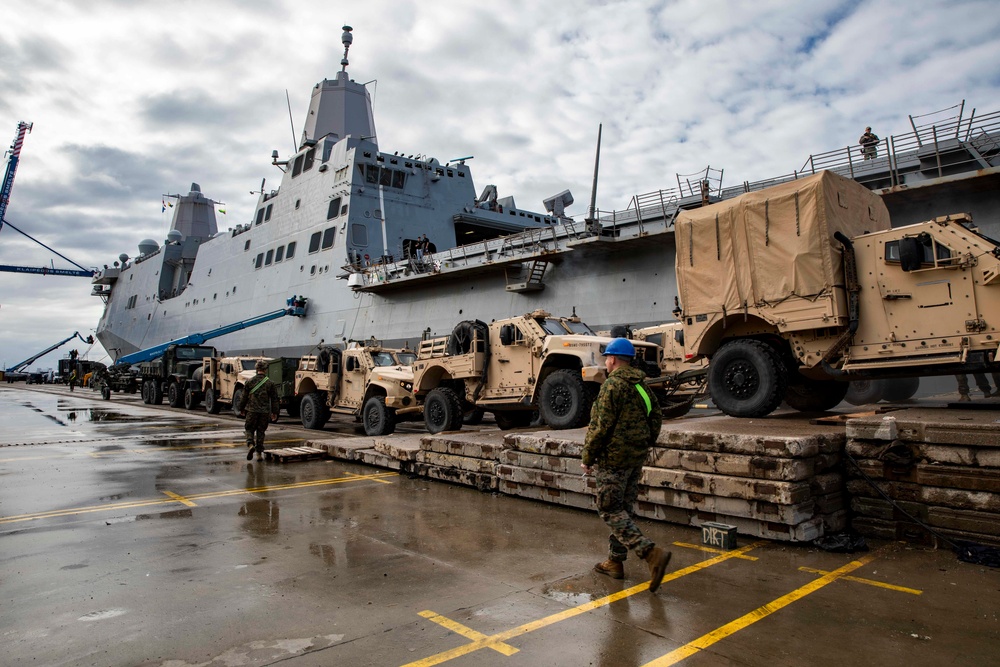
(870, 582)
(711, 550)
(191, 498)
(757, 614)
(467, 632)
(490, 641)
(381, 481)
(179, 498)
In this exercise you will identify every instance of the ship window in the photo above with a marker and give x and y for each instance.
(398, 179)
(310, 158)
(385, 178)
(343, 209)
(314, 243)
(260, 217)
(461, 174)
(268, 258)
(328, 238)
(215, 296)
(267, 213)
(297, 165)
(371, 175)
(451, 174)
(393, 161)
(279, 254)
(234, 289)
(259, 261)
(297, 202)
(291, 250)
(312, 271)
(334, 209)
(359, 235)
(408, 164)
(246, 246)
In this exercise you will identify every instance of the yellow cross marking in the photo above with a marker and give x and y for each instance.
(467, 632)
(180, 499)
(380, 481)
(870, 582)
(701, 547)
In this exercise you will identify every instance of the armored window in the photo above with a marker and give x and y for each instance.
(398, 179)
(328, 238)
(291, 250)
(260, 260)
(371, 174)
(314, 243)
(333, 210)
(268, 258)
(359, 235)
(260, 217)
(246, 246)
(267, 213)
(279, 254)
(297, 165)
(310, 158)
(385, 177)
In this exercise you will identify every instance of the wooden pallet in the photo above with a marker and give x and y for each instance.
(294, 454)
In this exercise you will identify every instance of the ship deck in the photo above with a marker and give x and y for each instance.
(136, 534)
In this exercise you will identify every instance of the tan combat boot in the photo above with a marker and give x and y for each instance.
(962, 398)
(612, 568)
(657, 559)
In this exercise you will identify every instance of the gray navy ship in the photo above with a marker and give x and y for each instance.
(346, 229)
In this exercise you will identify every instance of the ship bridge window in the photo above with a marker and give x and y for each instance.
(259, 261)
(398, 179)
(297, 165)
(291, 250)
(267, 212)
(260, 217)
(359, 235)
(385, 177)
(334, 209)
(246, 246)
(314, 243)
(279, 254)
(310, 159)
(371, 174)
(328, 238)
(268, 258)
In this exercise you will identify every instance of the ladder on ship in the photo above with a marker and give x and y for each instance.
(528, 276)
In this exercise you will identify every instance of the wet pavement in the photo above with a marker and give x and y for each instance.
(133, 535)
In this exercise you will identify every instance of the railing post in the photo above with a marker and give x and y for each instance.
(893, 164)
(968, 133)
(915, 131)
(850, 161)
(812, 167)
(958, 127)
(937, 153)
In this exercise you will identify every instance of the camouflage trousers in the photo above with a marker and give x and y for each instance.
(617, 490)
(255, 426)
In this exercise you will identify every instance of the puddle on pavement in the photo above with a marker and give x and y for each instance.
(570, 598)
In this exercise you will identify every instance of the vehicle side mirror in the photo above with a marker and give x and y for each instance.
(910, 254)
(507, 334)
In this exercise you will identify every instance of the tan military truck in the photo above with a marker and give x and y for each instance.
(370, 382)
(513, 368)
(679, 384)
(223, 379)
(793, 291)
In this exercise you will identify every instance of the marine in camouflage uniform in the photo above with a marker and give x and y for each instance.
(260, 404)
(624, 422)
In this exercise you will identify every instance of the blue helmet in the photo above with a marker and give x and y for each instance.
(620, 347)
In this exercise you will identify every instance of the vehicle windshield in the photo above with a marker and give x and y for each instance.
(553, 326)
(406, 358)
(383, 359)
(193, 352)
(249, 364)
(578, 328)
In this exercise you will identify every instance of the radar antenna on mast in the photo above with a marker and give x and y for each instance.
(347, 38)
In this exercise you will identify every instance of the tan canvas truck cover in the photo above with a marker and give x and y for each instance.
(771, 253)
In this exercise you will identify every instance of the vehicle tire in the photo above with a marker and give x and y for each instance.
(293, 407)
(746, 378)
(900, 389)
(378, 419)
(144, 392)
(211, 404)
(808, 395)
(155, 392)
(564, 401)
(106, 392)
(131, 388)
(442, 410)
(237, 397)
(312, 412)
(508, 419)
(460, 340)
(175, 395)
(863, 392)
(473, 416)
(191, 399)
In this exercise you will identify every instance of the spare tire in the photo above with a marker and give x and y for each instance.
(460, 340)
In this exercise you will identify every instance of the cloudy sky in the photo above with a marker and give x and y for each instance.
(132, 99)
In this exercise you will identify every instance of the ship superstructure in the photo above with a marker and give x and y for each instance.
(346, 226)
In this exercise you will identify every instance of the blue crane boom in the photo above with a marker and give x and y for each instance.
(296, 307)
(8, 178)
(17, 368)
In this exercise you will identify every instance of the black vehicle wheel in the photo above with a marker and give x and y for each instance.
(509, 419)
(105, 392)
(378, 419)
(900, 389)
(175, 395)
(293, 407)
(564, 401)
(237, 398)
(155, 392)
(863, 392)
(460, 340)
(191, 399)
(442, 410)
(312, 412)
(131, 388)
(473, 416)
(144, 392)
(746, 378)
(807, 395)
(211, 404)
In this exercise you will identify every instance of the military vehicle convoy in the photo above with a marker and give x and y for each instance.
(513, 368)
(172, 375)
(222, 379)
(369, 382)
(793, 291)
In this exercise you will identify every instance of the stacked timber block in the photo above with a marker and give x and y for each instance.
(469, 459)
(785, 485)
(941, 467)
(545, 466)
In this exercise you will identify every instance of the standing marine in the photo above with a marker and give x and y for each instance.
(260, 405)
(624, 423)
